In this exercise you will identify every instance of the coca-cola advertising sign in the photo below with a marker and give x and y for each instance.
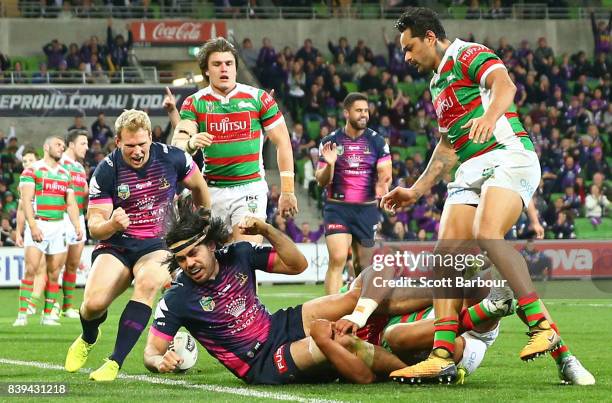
(168, 33)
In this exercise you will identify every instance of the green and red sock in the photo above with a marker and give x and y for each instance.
(25, 293)
(68, 286)
(563, 351)
(51, 295)
(532, 308)
(472, 316)
(445, 333)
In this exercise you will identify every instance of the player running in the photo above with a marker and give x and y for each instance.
(214, 298)
(355, 167)
(130, 194)
(227, 121)
(46, 193)
(76, 141)
(499, 172)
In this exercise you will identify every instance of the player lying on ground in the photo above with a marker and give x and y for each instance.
(498, 303)
(214, 298)
(130, 193)
(409, 335)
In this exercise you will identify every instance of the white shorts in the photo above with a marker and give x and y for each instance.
(54, 237)
(71, 233)
(235, 202)
(517, 170)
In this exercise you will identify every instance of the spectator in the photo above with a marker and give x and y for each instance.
(73, 59)
(299, 142)
(544, 54)
(342, 48)
(248, 53)
(310, 167)
(602, 35)
(42, 75)
(101, 131)
(568, 173)
(597, 164)
(337, 91)
(307, 53)
(118, 48)
(343, 69)
(78, 124)
(473, 11)
(55, 52)
(5, 62)
(539, 265)
(370, 83)
(497, 12)
(595, 206)
(571, 202)
(361, 50)
(303, 234)
(563, 228)
(9, 204)
(315, 103)
(19, 77)
(265, 60)
(395, 56)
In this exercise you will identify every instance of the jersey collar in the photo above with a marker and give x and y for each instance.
(223, 99)
(449, 51)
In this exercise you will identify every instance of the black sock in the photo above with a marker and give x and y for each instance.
(90, 327)
(134, 319)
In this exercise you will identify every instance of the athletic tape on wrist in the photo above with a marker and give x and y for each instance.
(362, 311)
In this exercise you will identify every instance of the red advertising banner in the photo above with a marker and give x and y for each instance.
(568, 259)
(169, 33)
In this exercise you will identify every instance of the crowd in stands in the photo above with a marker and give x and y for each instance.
(565, 103)
(91, 62)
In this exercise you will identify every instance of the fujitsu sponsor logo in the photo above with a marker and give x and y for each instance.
(229, 126)
(471, 52)
(186, 31)
(443, 105)
(55, 186)
(279, 360)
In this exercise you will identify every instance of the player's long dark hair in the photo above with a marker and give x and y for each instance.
(186, 222)
(420, 20)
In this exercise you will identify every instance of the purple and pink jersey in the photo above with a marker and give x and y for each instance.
(224, 314)
(355, 171)
(145, 193)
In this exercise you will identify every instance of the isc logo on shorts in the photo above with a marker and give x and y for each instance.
(335, 227)
(279, 360)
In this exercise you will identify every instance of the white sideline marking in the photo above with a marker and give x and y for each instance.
(157, 380)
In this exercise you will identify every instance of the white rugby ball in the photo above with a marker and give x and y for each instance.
(185, 346)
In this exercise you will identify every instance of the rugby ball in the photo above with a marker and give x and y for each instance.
(185, 346)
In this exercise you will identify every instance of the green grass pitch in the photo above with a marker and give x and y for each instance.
(584, 324)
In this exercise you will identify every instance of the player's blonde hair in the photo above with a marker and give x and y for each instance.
(132, 120)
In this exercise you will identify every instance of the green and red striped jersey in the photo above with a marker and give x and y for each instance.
(50, 189)
(459, 94)
(237, 122)
(79, 180)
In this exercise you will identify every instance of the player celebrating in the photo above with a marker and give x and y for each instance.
(227, 120)
(355, 166)
(77, 147)
(214, 298)
(130, 194)
(46, 193)
(499, 171)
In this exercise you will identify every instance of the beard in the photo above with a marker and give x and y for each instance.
(357, 125)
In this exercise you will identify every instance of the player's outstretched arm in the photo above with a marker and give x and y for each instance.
(199, 189)
(441, 162)
(288, 259)
(287, 202)
(157, 357)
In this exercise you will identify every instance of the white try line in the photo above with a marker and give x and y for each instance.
(164, 381)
